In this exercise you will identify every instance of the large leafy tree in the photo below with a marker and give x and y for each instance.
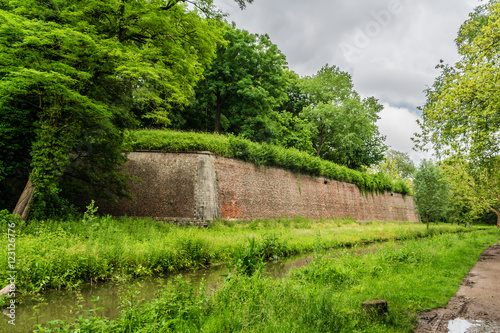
(74, 69)
(342, 124)
(240, 89)
(461, 118)
(469, 192)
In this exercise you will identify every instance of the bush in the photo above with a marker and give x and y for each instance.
(247, 261)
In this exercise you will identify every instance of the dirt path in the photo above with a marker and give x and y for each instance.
(476, 306)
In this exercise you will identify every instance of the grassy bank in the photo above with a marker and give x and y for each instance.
(261, 154)
(65, 254)
(325, 296)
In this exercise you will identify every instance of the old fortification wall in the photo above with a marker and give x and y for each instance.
(167, 187)
(202, 186)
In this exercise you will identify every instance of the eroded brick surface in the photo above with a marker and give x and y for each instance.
(173, 184)
(167, 189)
(249, 191)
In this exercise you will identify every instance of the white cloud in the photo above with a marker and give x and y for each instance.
(399, 125)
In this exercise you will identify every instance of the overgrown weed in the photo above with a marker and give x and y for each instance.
(325, 296)
(66, 253)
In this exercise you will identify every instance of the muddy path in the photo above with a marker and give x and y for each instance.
(476, 306)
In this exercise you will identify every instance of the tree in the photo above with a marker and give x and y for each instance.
(75, 68)
(342, 125)
(16, 135)
(297, 100)
(397, 165)
(461, 118)
(242, 86)
(467, 201)
(432, 192)
(281, 129)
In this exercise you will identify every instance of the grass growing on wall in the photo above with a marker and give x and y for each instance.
(261, 154)
(324, 296)
(65, 254)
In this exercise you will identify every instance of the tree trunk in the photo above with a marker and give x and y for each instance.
(321, 142)
(24, 203)
(497, 212)
(218, 111)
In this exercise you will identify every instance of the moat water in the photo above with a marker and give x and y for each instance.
(68, 305)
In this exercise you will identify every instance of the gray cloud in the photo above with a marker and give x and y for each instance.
(390, 47)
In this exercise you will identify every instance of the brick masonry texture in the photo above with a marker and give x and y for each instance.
(249, 191)
(167, 188)
(203, 186)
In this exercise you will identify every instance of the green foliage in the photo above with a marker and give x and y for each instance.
(397, 165)
(16, 133)
(178, 301)
(89, 215)
(273, 248)
(50, 205)
(7, 220)
(261, 154)
(175, 141)
(460, 118)
(474, 190)
(342, 125)
(244, 83)
(280, 129)
(297, 100)
(324, 271)
(247, 261)
(325, 295)
(432, 192)
(66, 253)
(196, 251)
(74, 74)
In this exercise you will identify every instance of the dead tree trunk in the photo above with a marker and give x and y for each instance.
(24, 203)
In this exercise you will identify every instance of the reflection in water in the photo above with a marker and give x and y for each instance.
(459, 325)
(70, 304)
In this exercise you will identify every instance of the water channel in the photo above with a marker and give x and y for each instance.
(64, 304)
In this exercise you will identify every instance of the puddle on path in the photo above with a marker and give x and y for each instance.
(459, 325)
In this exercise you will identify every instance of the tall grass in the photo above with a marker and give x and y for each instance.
(261, 154)
(65, 254)
(324, 296)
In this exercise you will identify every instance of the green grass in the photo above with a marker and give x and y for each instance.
(65, 254)
(261, 154)
(325, 296)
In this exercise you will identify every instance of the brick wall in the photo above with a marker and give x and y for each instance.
(249, 191)
(203, 186)
(167, 188)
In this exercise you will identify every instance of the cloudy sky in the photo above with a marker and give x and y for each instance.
(390, 47)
